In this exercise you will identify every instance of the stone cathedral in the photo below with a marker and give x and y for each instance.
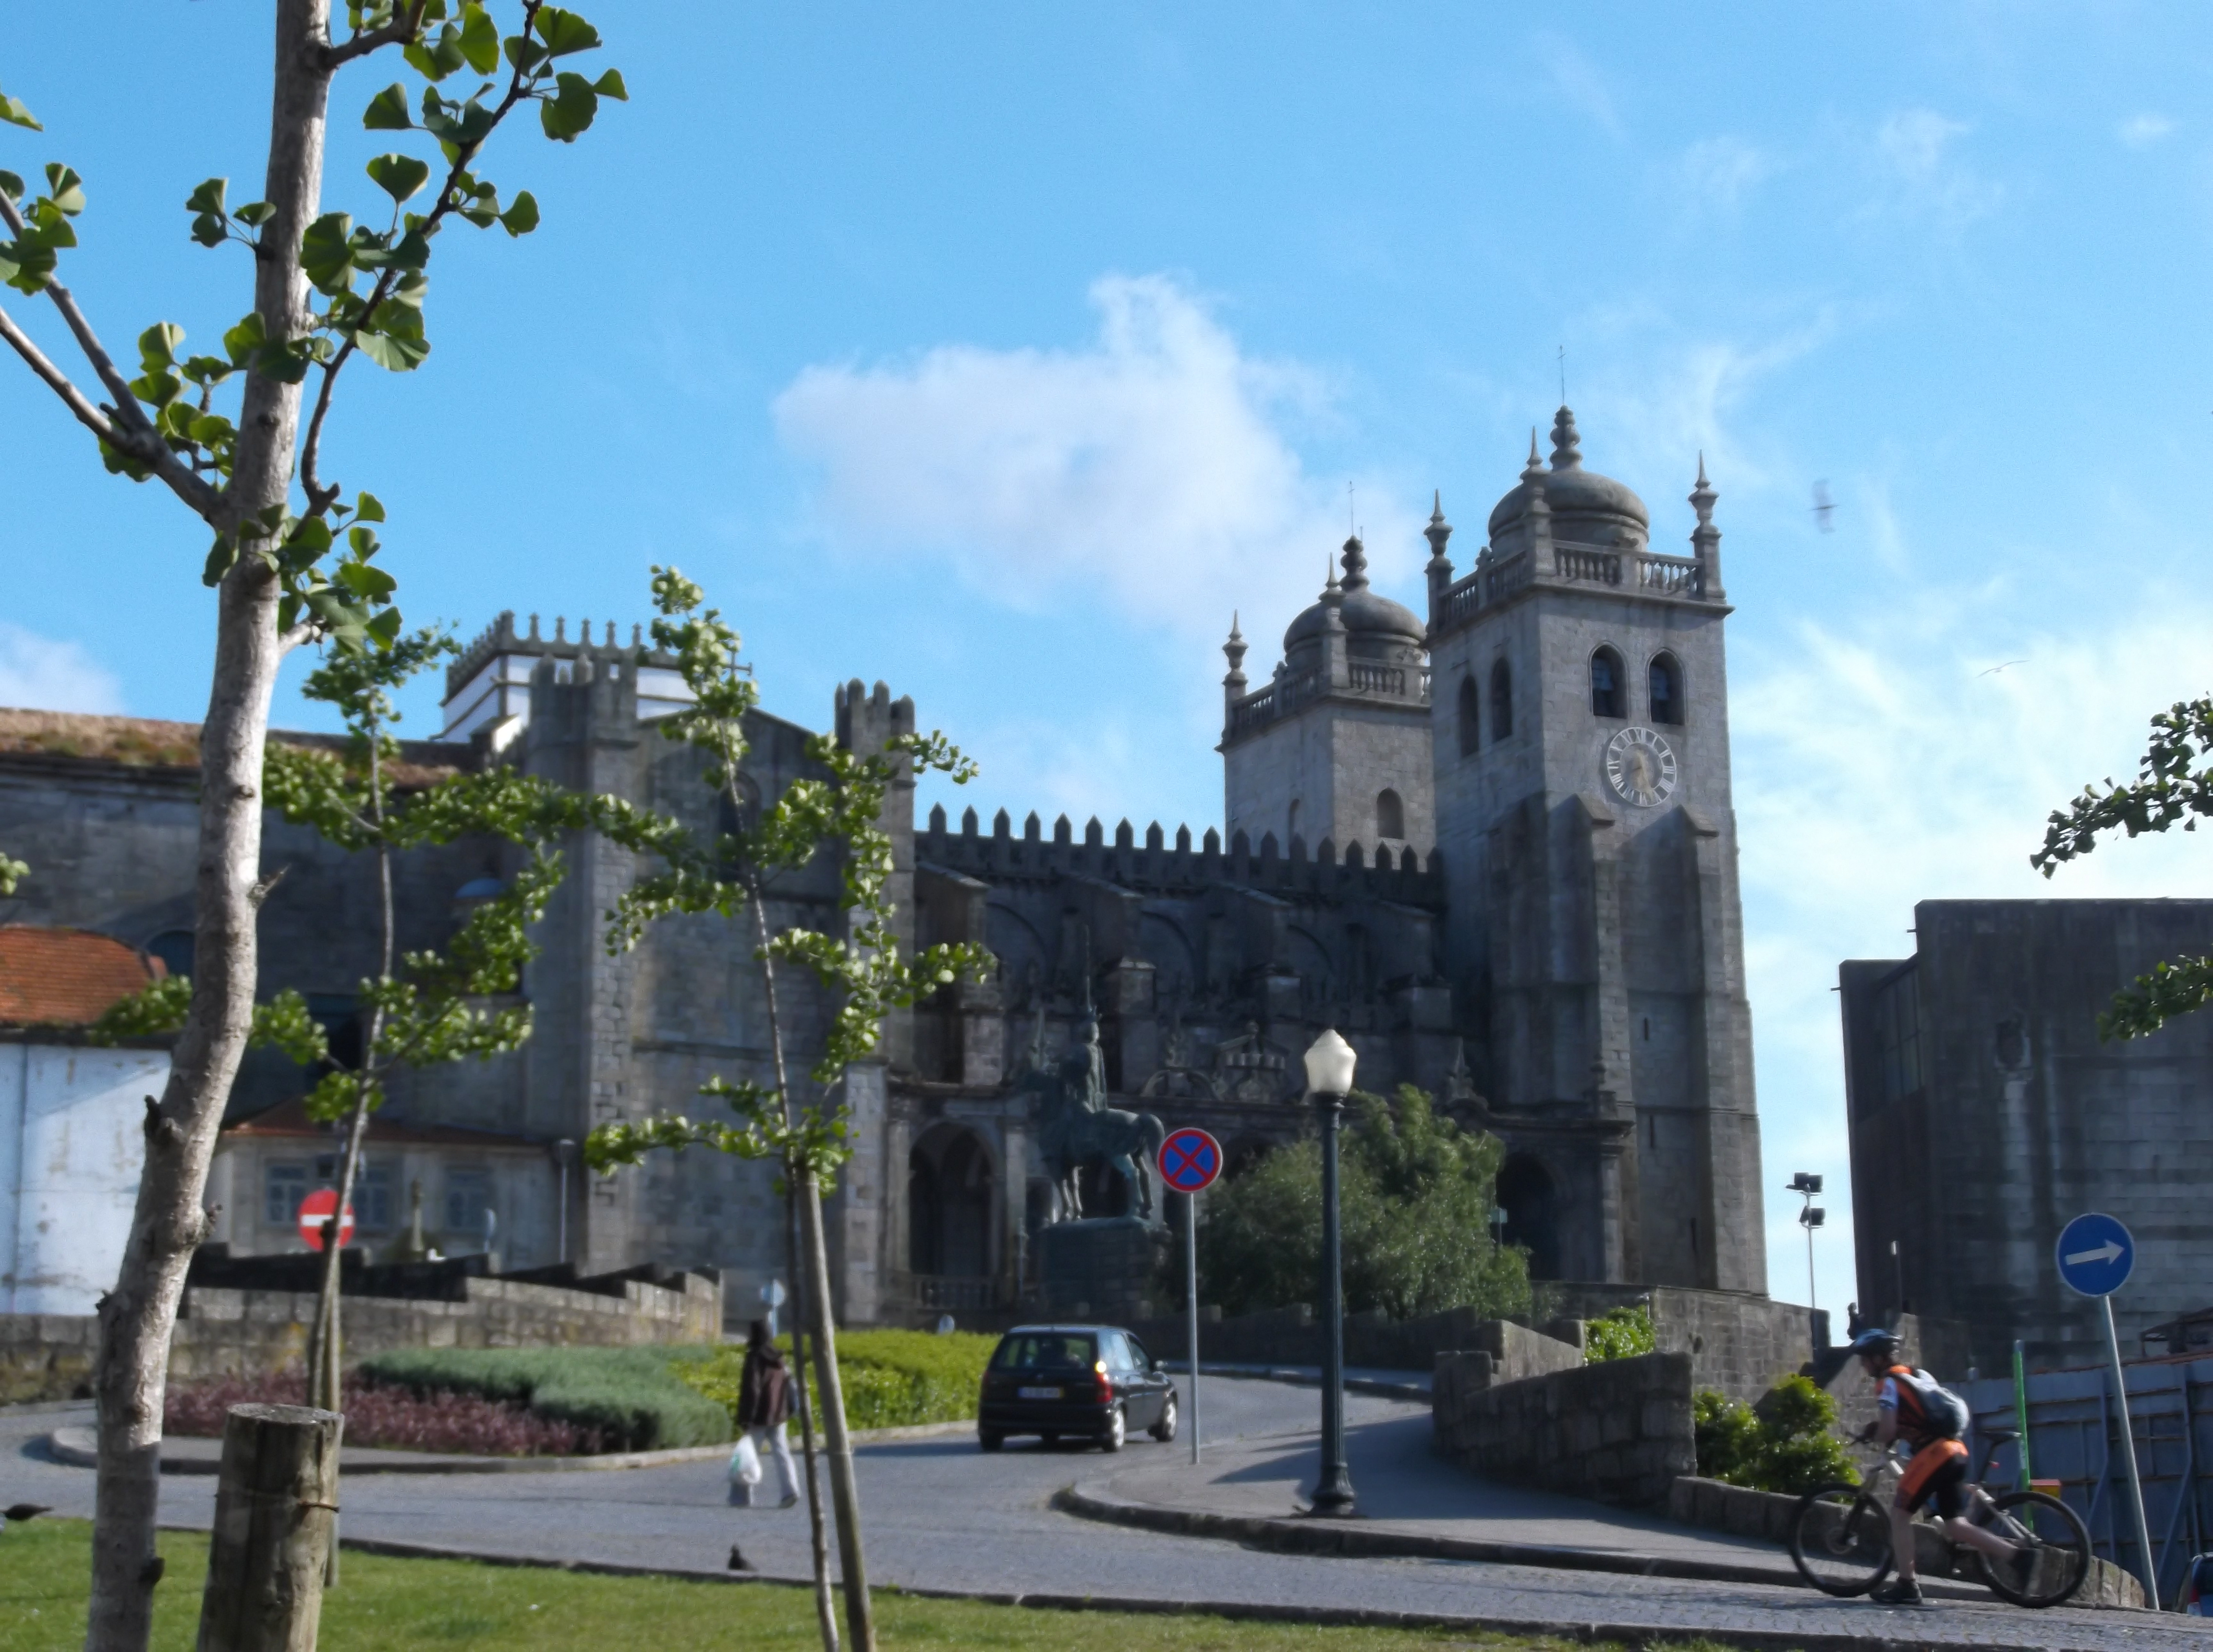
(1493, 845)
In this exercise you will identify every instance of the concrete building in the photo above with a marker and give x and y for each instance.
(1517, 891)
(1985, 1113)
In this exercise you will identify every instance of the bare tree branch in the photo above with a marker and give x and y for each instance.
(300, 635)
(404, 28)
(58, 381)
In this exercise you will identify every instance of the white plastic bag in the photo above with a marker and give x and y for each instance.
(745, 1463)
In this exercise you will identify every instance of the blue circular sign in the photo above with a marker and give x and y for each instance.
(1190, 1160)
(2095, 1255)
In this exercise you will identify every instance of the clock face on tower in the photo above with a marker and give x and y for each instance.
(1641, 767)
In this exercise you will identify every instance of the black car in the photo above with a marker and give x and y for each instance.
(1089, 1382)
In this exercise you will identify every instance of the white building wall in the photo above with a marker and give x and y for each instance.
(72, 1142)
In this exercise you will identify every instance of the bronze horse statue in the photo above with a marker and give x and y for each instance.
(1075, 1125)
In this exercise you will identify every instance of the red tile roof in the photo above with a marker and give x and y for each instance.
(65, 978)
(290, 1119)
(150, 743)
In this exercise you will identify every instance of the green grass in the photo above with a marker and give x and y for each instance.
(892, 1379)
(386, 1603)
(629, 1394)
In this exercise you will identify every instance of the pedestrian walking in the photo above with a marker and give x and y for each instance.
(764, 1406)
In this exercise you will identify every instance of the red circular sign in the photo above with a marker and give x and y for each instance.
(1190, 1160)
(315, 1210)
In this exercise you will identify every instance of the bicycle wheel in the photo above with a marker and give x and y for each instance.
(1840, 1539)
(2061, 1544)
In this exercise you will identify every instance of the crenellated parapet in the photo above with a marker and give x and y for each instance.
(488, 687)
(1369, 872)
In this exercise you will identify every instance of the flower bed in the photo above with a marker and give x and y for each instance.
(396, 1418)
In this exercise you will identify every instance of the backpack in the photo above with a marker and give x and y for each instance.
(1942, 1414)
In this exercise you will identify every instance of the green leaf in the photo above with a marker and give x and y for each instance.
(570, 110)
(398, 175)
(362, 539)
(479, 38)
(13, 111)
(385, 628)
(254, 214)
(312, 534)
(395, 349)
(369, 508)
(564, 32)
(436, 59)
(610, 85)
(64, 189)
(387, 111)
(244, 340)
(157, 346)
(366, 582)
(327, 253)
(11, 185)
(521, 218)
(205, 203)
(222, 555)
(287, 364)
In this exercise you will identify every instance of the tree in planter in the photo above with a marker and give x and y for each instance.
(280, 575)
(862, 970)
(2173, 787)
(1416, 1195)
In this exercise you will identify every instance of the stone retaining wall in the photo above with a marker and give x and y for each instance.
(235, 1332)
(1619, 1432)
(1289, 1336)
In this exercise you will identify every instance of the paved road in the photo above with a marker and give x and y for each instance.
(940, 1514)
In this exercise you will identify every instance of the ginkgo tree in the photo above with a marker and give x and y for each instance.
(293, 555)
(836, 811)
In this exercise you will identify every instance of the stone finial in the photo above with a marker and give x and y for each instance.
(1705, 537)
(1095, 835)
(1439, 531)
(1155, 840)
(1233, 686)
(1567, 453)
(1003, 824)
(1183, 840)
(968, 821)
(1124, 836)
(560, 628)
(1033, 828)
(937, 820)
(1355, 565)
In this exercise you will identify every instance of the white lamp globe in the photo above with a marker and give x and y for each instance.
(1330, 1061)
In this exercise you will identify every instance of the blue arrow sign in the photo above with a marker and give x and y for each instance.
(2095, 1255)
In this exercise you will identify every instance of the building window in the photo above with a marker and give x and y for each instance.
(1667, 689)
(468, 1197)
(283, 1188)
(1898, 1034)
(1470, 720)
(1606, 696)
(1501, 701)
(1390, 815)
(372, 1198)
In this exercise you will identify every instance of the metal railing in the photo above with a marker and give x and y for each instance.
(946, 1291)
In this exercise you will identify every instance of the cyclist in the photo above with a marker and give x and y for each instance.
(1935, 1473)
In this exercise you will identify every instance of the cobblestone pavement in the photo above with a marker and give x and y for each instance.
(939, 1515)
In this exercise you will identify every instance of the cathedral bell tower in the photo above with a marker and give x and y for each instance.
(1580, 744)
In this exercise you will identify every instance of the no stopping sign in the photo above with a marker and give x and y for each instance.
(1190, 1160)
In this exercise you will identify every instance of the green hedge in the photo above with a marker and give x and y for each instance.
(631, 1395)
(1784, 1443)
(892, 1379)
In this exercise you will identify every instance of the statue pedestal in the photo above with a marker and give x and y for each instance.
(1099, 1268)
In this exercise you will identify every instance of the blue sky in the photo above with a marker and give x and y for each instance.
(1000, 352)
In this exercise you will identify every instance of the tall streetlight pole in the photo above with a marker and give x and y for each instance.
(1811, 1216)
(1329, 1065)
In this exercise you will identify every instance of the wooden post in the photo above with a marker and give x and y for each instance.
(274, 1516)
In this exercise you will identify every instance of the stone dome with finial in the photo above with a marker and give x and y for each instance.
(1586, 507)
(1375, 627)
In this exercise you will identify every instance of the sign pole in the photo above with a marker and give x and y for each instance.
(1191, 1308)
(2129, 1459)
(2020, 1413)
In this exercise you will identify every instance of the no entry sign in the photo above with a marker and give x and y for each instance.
(315, 1210)
(1190, 1160)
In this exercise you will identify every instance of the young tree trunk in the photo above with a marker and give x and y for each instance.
(845, 1495)
(826, 1610)
(138, 1316)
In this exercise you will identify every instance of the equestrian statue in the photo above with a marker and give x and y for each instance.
(1074, 1124)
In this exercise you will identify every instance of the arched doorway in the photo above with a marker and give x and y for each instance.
(949, 1205)
(1526, 1193)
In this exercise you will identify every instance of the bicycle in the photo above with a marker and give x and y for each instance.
(1840, 1536)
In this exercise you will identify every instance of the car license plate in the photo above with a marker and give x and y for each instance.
(1037, 1393)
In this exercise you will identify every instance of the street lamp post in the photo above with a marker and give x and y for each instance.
(1329, 1065)
(1811, 1216)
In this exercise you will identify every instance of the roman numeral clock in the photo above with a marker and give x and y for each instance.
(1641, 766)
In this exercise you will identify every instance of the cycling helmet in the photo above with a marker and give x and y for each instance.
(1877, 1343)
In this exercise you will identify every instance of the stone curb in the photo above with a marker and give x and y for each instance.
(78, 1448)
(1628, 1634)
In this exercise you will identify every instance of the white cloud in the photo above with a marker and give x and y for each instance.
(1908, 760)
(1719, 172)
(1579, 83)
(39, 673)
(2142, 132)
(1148, 471)
(1920, 171)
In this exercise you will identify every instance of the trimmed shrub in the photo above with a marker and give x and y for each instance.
(395, 1419)
(629, 1397)
(1785, 1442)
(892, 1379)
(1618, 1333)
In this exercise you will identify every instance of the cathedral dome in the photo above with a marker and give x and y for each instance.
(1369, 615)
(1598, 506)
